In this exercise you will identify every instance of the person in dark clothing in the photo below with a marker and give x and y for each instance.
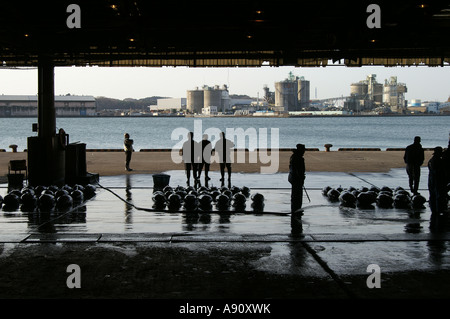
(206, 158)
(414, 157)
(436, 186)
(128, 148)
(191, 155)
(297, 177)
(223, 148)
(446, 162)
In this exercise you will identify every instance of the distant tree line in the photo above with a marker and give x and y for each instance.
(106, 103)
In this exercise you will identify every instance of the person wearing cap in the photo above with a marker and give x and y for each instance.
(414, 157)
(128, 148)
(436, 186)
(297, 177)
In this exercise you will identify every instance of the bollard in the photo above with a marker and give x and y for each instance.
(327, 147)
(14, 148)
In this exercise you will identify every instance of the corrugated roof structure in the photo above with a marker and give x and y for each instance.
(225, 33)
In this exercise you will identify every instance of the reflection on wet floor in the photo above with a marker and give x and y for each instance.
(125, 204)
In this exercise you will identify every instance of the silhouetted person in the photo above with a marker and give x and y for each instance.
(206, 158)
(446, 163)
(190, 157)
(223, 148)
(414, 157)
(128, 148)
(297, 177)
(436, 186)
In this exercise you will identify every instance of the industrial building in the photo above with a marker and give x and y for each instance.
(444, 108)
(365, 95)
(239, 104)
(368, 89)
(206, 97)
(369, 94)
(65, 105)
(394, 94)
(292, 94)
(169, 104)
(417, 106)
(269, 96)
(209, 110)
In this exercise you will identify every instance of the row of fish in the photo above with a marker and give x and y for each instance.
(47, 199)
(384, 197)
(205, 198)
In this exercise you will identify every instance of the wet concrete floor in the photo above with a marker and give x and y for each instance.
(128, 251)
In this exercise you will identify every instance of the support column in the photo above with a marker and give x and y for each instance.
(46, 155)
(46, 98)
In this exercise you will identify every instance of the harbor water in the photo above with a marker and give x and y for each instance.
(167, 132)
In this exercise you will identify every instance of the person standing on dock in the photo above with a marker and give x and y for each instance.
(414, 157)
(223, 148)
(437, 186)
(191, 155)
(446, 162)
(206, 158)
(128, 148)
(297, 177)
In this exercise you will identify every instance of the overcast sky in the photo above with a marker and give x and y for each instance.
(425, 83)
